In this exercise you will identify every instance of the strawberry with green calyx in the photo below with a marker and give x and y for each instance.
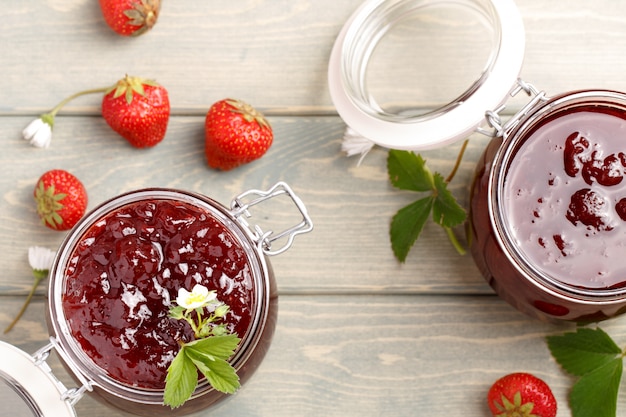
(138, 109)
(61, 199)
(521, 395)
(235, 134)
(40, 260)
(130, 17)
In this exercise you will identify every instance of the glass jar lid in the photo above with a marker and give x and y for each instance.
(32, 380)
(351, 84)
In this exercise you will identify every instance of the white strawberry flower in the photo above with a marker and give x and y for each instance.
(40, 259)
(199, 297)
(39, 132)
(354, 144)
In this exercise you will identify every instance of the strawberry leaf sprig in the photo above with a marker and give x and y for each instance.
(208, 353)
(591, 355)
(408, 171)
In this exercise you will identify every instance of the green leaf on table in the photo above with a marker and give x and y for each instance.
(593, 356)
(407, 225)
(446, 211)
(583, 351)
(408, 171)
(595, 393)
(181, 380)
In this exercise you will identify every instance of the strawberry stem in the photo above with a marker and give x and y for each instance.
(458, 161)
(39, 276)
(451, 236)
(58, 107)
(455, 242)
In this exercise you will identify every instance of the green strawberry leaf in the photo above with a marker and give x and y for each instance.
(583, 351)
(221, 347)
(177, 312)
(592, 355)
(208, 352)
(210, 357)
(595, 393)
(219, 372)
(446, 211)
(408, 171)
(407, 225)
(181, 380)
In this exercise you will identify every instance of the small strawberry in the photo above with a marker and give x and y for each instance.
(235, 134)
(130, 17)
(61, 199)
(138, 110)
(521, 395)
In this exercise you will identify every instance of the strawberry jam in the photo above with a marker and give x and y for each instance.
(129, 265)
(562, 196)
(548, 209)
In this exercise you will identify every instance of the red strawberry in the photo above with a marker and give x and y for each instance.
(235, 134)
(521, 395)
(61, 199)
(130, 17)
(138, 110)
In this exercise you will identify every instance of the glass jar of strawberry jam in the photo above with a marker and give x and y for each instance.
(548, 208)
(548, 205)
(113, 282)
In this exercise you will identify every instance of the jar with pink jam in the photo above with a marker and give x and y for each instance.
(548, 209)
(113, 282)
(547, 215)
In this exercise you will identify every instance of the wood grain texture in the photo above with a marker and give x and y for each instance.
(372, 356)
(359, 334)
(274, 53)
(351, 205)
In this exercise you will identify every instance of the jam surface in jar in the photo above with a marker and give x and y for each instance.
(126, 269)
(565, 198)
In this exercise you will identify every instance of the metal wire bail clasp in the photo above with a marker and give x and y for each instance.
(493, 116)
(72, 395)
(239, 206)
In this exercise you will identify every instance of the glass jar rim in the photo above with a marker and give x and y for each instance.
(454, 121)
(550, 107)
(79, 361)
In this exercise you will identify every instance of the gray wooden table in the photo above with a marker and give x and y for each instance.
(358, 333)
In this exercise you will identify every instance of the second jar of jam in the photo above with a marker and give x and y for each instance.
(548, 204)
(548, 208)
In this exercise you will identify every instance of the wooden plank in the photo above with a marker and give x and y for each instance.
(275, 53)
(374, 355)
(351, 205)
(358, 333)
